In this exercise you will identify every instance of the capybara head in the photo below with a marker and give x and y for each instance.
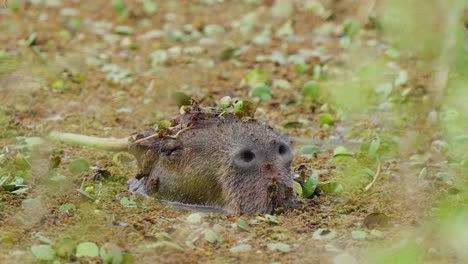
(215, 161)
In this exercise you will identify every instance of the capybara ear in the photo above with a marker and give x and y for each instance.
(170, 148)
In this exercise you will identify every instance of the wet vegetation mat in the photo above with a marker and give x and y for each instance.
(372, 95)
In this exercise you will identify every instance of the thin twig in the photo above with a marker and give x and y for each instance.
(145, 138)
(377, 173)
(82, 183)
(157, 134)
(180, 131)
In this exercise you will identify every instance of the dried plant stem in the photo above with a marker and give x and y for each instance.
(377, 173)
(112, 144)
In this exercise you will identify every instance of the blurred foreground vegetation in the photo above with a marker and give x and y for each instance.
(372, 92)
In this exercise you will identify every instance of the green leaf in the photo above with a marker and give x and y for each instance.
(21, 162)
(341, 151)
(392, 53)
(149, 6)
(253, 78)
(165, 244)
(78, 166)
(324, 234)
(85, 194)
(225, 102)
(370, 172)
(280, 247)
(310, 185)
(241, 248)
(87, 249)
(124, 30)
(64, 208)
(311, 89)
(43, 252)
(34, 141)
(262, 91)
(120, 7)
(212, 237)
(358, 234)
(272, 219)
(297, 188)
(127, 202)
(282, 84)
(111, 254)
(310, 149)
(351, 27)
(374, 146)
(300, 67)
(194, 218)
(326, 119)
(243, 225)
(330, 187)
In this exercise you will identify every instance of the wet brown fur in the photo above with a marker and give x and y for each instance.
(192, 163)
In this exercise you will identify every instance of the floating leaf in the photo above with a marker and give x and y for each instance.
(21, 163)
(351, 27)
(310, 149)
(149, 6)
(253, 78)
(225, 102)
(243, 225)
(124, 30)
(212, 237)
(370, 172)
(67, 207)
(78, 166)
(297, 188)
(85, 194)
(300, 67)
(392, 53)
(330, 187)
(282, 84)
(111, 254)
(401, 78)
(262, 91)
(87, 249)
(164, 244)
(311, 89)
(120, 7)
(43, 238)
(128, 203)
(43, 252)
(326, 119)
(272, 219)
(324, 234)
(377, 233)
(358, 234)
(341, 151)
(374, 146)
(310, 185)
(212, 29)
(241, 248)
(34, 141)
(194, 218)
(280, 247)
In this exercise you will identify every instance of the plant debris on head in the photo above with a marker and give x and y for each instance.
(212, 157)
